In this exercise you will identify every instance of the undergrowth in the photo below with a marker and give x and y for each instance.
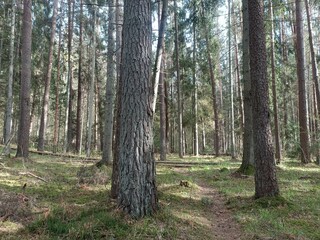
(66, 209)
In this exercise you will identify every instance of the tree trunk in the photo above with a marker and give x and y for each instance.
(24, 123)
(176, 41)
(159, 53)
(137, 187)
(265, 175)
(91, 86)
(232, 140)
(303, 112)
(79, 100)
(274, 90)
(8, 115)
(47, 84)
(248, 152)
(195, 93)
(57, 109)
(110, 90)
(163, 131)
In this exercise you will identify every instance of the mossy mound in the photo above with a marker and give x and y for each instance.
(92, 175)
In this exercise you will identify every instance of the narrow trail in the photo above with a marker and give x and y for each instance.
(217, 217)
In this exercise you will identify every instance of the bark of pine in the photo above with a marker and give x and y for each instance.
(137, 187)
(47, 84)
(265, 175)
(303, 112)
(24, 123)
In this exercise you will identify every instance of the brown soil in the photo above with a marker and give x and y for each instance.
(217, 217)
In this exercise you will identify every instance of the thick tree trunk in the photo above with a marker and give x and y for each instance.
(265, 175)
(137, 186)
(47, 84)
(8, 116)
(24, 123)
(274, 90)
(110, 89)
(303, 112)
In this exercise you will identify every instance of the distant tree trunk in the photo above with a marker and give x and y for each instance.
(159, 53)
(57, 109)
(8, 115)
(248, 151)
(47, 84)
(68, 122)
(315, 76)
(24, 123)
(137, 188)
(110, 89)
(214, 96)
(91, 86)
(180, 130)
(303, 112)
(274, 89)
(195, 93)
(115, 163)
(232, 140)
(265, 174)
(79, 100)
(163, 135)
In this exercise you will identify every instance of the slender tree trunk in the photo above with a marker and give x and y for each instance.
(274, 90)
(24, 123)
(233, 141)
(79, 100)
(159, 53)
(91, 86)
(57, 109)
(266, 184)
(303, 117)
(248, 151)
(47, 84)
(110, 89)
(180, 130)
(163, 135)
(137, 187)
(214, 96)
(9, 106)
(195, 93)
(115, 163)
(68, 122)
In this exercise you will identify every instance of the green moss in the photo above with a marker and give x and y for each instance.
(246, 170)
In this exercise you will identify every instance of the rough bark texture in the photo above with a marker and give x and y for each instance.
(303, 118)
(24, 123)
(137, 186)
(110, 89)
(265, 175)
(248, 152)
(45, 101)
(274, 90)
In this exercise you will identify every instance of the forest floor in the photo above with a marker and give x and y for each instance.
(52, 197)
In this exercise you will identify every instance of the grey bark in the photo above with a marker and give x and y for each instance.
(265, 173)
(137, 187)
